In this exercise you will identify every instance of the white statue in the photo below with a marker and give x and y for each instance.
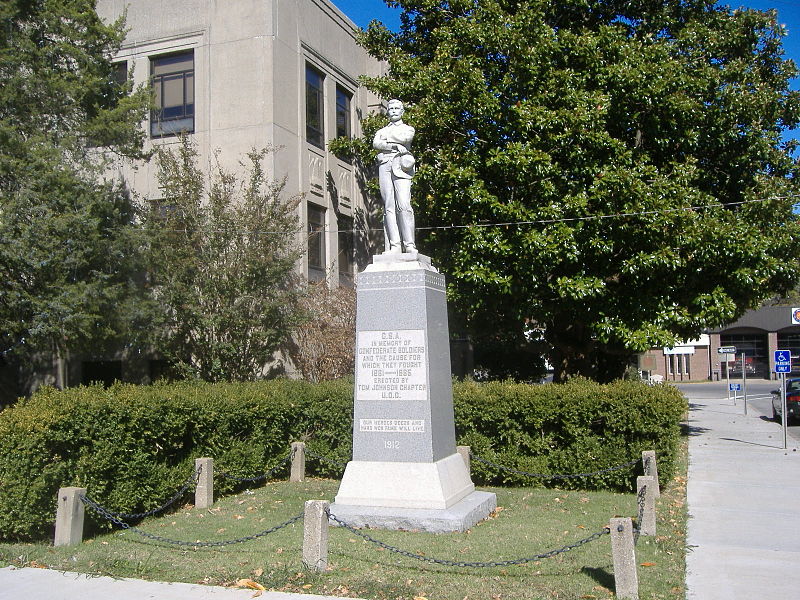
(395, 170)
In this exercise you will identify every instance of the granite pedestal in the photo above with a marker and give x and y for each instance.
(405, 472)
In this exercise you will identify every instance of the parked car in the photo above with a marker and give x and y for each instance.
(749, 367)
(792, 401)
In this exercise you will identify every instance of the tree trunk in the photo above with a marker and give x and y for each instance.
(575, 353)
(571, 349)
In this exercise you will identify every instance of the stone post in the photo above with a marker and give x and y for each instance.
(298, 472)
(69, 517)
(626, 580)
(464, 452)
(204, 491)
(646, 497)
(651, 468)
(315, 535)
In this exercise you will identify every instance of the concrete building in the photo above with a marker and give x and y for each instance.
(757, 335)
(254, 73)
(238, 75)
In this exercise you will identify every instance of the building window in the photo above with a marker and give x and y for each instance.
(316, 243)
(791, 341)
(343, 128)
(315, 124)
(173, 86)
(346, 260)
(119, 73)
(755, 348)
(105, 372)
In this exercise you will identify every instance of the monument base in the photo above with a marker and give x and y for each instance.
(437, 496)
(462, 515)
(436, 485)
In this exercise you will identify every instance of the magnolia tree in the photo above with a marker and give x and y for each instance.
(609, 175)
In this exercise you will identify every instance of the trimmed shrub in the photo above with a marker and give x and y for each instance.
(133, 446)
(577, 427)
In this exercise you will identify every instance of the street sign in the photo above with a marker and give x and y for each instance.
(735, 387)
(796, 316)
(783, 361)
(727, 350)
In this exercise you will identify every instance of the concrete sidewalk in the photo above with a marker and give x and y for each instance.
(744, 504)
(44, 584)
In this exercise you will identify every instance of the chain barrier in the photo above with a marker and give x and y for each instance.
(455, 563)
(555, 476)
(103, 512)
(257, 478)
(192, 480)
(338, 463)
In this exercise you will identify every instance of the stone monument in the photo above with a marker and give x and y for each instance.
(405, 472)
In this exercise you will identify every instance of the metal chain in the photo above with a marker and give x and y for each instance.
(107, 515)
(454, 563)
(257, 478)
(549, 476)
(192, 480)
(338, 463)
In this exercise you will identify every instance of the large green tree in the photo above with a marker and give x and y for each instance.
(222, 249)
(66, 245)
(608, 173)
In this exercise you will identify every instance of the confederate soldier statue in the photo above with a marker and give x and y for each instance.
(395, 170)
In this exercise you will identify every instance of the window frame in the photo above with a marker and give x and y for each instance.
(315, 119)
(316, 251)
(184, 121)
(345, 110)
(346, 250)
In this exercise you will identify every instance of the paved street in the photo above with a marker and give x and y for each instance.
(744, 516)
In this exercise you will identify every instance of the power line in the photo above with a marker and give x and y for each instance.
(517, 223)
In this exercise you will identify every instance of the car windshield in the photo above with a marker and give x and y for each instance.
(793, 386)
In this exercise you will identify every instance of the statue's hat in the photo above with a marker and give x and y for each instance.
(403, 166)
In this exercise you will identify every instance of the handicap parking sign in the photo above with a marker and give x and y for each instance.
(783, 361)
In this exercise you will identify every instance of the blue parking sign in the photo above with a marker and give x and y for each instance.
(783, 361)
(735, 387)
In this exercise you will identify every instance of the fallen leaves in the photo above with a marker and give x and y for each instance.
(250, 584)
(496, 512)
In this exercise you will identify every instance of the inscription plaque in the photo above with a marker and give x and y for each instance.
(391, 365)
(392, 425)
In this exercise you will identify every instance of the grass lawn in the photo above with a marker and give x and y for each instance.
(528, 522)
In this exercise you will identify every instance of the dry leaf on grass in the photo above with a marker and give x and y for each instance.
(648, 564)
(250, 584)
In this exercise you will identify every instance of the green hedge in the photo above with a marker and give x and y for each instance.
(578, 427)
(133, 446)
